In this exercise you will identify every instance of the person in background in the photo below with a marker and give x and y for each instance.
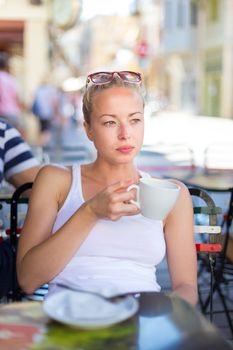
(45, 107)
(17, 166)
(17, 163)
(91, 235)
(10, 104)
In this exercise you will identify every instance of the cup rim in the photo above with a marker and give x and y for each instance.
(171, 184)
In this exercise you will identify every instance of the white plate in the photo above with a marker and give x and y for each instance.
(85, 310)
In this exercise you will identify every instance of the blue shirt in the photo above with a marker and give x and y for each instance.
(45, 101)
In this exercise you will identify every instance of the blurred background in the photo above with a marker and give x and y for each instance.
(184, 48)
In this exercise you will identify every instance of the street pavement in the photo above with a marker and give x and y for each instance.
(197, 132)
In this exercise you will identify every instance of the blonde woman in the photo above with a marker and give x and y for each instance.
(81, 228)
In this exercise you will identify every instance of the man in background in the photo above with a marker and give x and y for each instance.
(45, 107)
(17, 163)
(17, 166)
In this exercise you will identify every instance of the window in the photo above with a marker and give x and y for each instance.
(168, 15)
(213, 10)
(180, 14)
(193, 13)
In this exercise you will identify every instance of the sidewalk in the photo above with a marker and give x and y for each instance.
(196, 132)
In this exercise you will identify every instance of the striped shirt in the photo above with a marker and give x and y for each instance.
(15, 154)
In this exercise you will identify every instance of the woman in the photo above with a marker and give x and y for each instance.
(81, 228)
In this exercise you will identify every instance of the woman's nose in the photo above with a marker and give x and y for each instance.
(124, 132)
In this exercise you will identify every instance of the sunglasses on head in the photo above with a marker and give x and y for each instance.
(101, 78)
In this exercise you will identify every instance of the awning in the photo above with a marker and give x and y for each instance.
(11, 32)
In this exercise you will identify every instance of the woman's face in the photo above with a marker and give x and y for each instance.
(117, 124)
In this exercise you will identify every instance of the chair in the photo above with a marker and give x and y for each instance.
(15, 293)
(209, 244)
(168, 160)
(224, 265)
(10, 290)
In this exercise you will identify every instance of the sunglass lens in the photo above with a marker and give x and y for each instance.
(101, 78)
(130, 76)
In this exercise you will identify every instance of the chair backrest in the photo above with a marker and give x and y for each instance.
(176, 160)
(9, 288)
(208, 230)
(14, 231)
(206, 221)
(15, 200)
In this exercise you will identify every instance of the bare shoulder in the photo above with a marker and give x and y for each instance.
(55, 172)
(53, 180)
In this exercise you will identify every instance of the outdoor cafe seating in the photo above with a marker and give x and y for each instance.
(167, 159)
(210, 248)
(10, 285)
(216, 177)
(223, 269)
(208, 245)
(207, 249)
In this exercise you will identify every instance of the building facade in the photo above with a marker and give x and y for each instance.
(197, 55)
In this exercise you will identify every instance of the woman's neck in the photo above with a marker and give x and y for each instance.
(108, 174)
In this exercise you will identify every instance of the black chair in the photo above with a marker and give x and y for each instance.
(10, 290)
(13, 291)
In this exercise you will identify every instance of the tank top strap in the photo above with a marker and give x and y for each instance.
(76, 186)
(74, 196)
(73, 200)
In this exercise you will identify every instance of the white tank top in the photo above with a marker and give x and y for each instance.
(120, 254)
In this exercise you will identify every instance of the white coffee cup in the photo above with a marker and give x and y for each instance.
(155, 197)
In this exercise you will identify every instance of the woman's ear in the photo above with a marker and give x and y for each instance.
(88, 130)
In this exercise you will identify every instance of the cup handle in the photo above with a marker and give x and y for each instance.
(136, 187)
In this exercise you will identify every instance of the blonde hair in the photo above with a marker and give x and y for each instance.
(91, 91)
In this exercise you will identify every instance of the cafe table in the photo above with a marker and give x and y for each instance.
(162, 322)
(218, 181)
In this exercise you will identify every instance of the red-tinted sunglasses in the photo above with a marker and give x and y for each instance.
(100, 78)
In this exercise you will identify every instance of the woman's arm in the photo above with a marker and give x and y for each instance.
(181, 252)
(41, 256)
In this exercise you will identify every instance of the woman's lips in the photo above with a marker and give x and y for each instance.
(125, 149)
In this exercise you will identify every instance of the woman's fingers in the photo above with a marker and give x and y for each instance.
(119, 204)
(123, 196)
(114, 201)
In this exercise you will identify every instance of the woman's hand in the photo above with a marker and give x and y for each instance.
(113, 202)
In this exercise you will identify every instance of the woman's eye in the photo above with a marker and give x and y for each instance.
(135, 120)
(109, 123)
